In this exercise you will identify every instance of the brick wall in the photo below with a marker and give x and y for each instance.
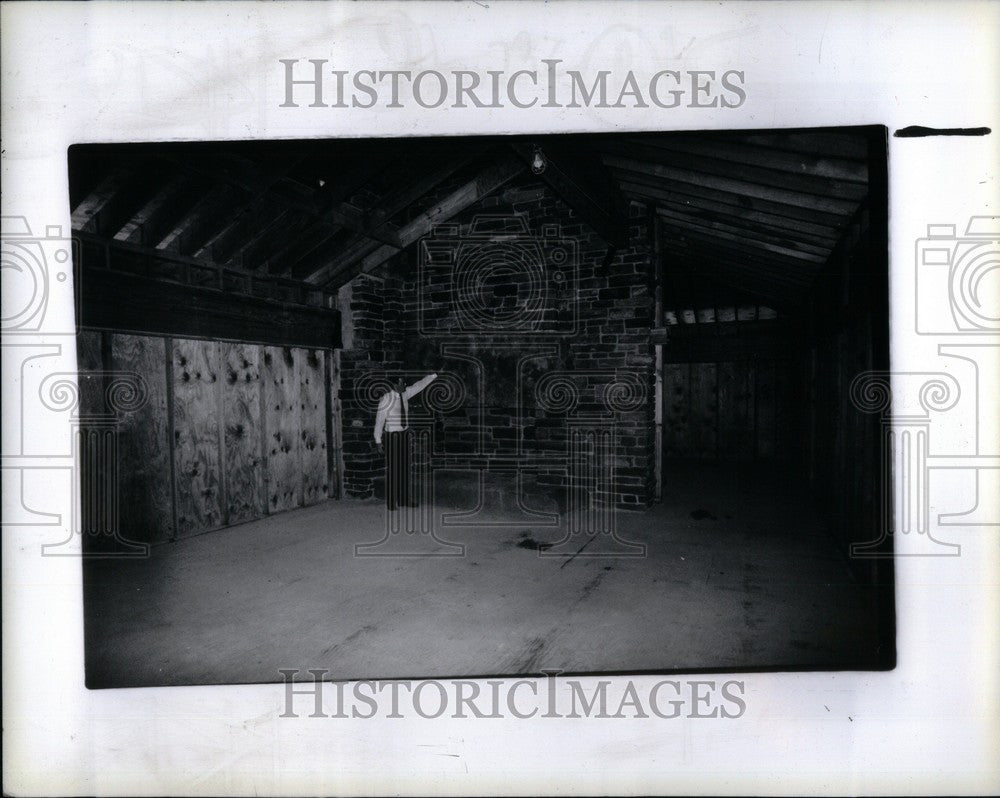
(362, 307)
(543, 350)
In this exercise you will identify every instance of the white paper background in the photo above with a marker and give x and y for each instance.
(155, 71)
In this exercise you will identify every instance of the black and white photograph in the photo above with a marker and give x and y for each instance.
(500, 397)
(483, 406)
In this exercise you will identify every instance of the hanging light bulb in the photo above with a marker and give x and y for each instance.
(538, 162)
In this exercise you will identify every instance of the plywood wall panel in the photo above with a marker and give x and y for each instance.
(312, 400)
(93, 507)
(89, 358)
(241, 413)
(145, 489)
(197, 448)
(282, 414)
(704, 410)
(676, 410)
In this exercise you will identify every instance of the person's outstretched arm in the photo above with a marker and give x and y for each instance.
(417, 387)
(380, 416)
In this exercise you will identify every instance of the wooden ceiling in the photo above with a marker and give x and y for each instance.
(756, 213)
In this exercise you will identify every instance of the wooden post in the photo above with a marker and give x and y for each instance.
(264, 459)
(658, 415)
(221, 410)
(334, 433)
(654, 222)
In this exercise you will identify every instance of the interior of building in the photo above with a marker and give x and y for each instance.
(647, 447)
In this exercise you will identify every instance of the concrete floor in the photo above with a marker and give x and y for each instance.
(738, 575)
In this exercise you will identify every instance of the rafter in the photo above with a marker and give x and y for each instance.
(751, 240)
(693, 177)
(362, 245)
(808, 172)
(162, 215)
(736, 215)
(483, 184)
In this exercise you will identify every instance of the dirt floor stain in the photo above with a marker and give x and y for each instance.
(528, 542)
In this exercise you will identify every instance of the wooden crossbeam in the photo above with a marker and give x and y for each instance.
(248, 190)
(735, 215)
(799, 274)
(483, 184)
(298, 250)
(290, 226)
(279, 222)
(749, 270)
(362, 245)
(727, 200)
(91, 203)
(786, 181)
(85, 176)
(846, 145)
(160, 217)
(131, 303)
(203, 221)
(761, 241)
(830, 205)
(223, 246)
(309, 200)
(122, 205)
(732, 149)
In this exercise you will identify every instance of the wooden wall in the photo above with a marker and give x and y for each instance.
(283, 420)
(230, 432)
(730, 409)
(243, 434)
(143, 441)
(197, 447)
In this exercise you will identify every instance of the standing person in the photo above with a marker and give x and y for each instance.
(393, 419)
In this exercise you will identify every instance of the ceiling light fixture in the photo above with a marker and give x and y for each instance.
(538, 162)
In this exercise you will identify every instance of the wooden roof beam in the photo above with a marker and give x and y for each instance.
(309, 200)
(840, 207)
(728, 200)
(124, 204)
(290, 226)
(397, 201)
(733, 214)
(823, 187)
(486, 182)
(733, 150)
(752, 240)
(95, 199)
(166, 212)
(203, 221)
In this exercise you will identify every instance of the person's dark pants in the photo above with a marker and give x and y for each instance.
(398, 492)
